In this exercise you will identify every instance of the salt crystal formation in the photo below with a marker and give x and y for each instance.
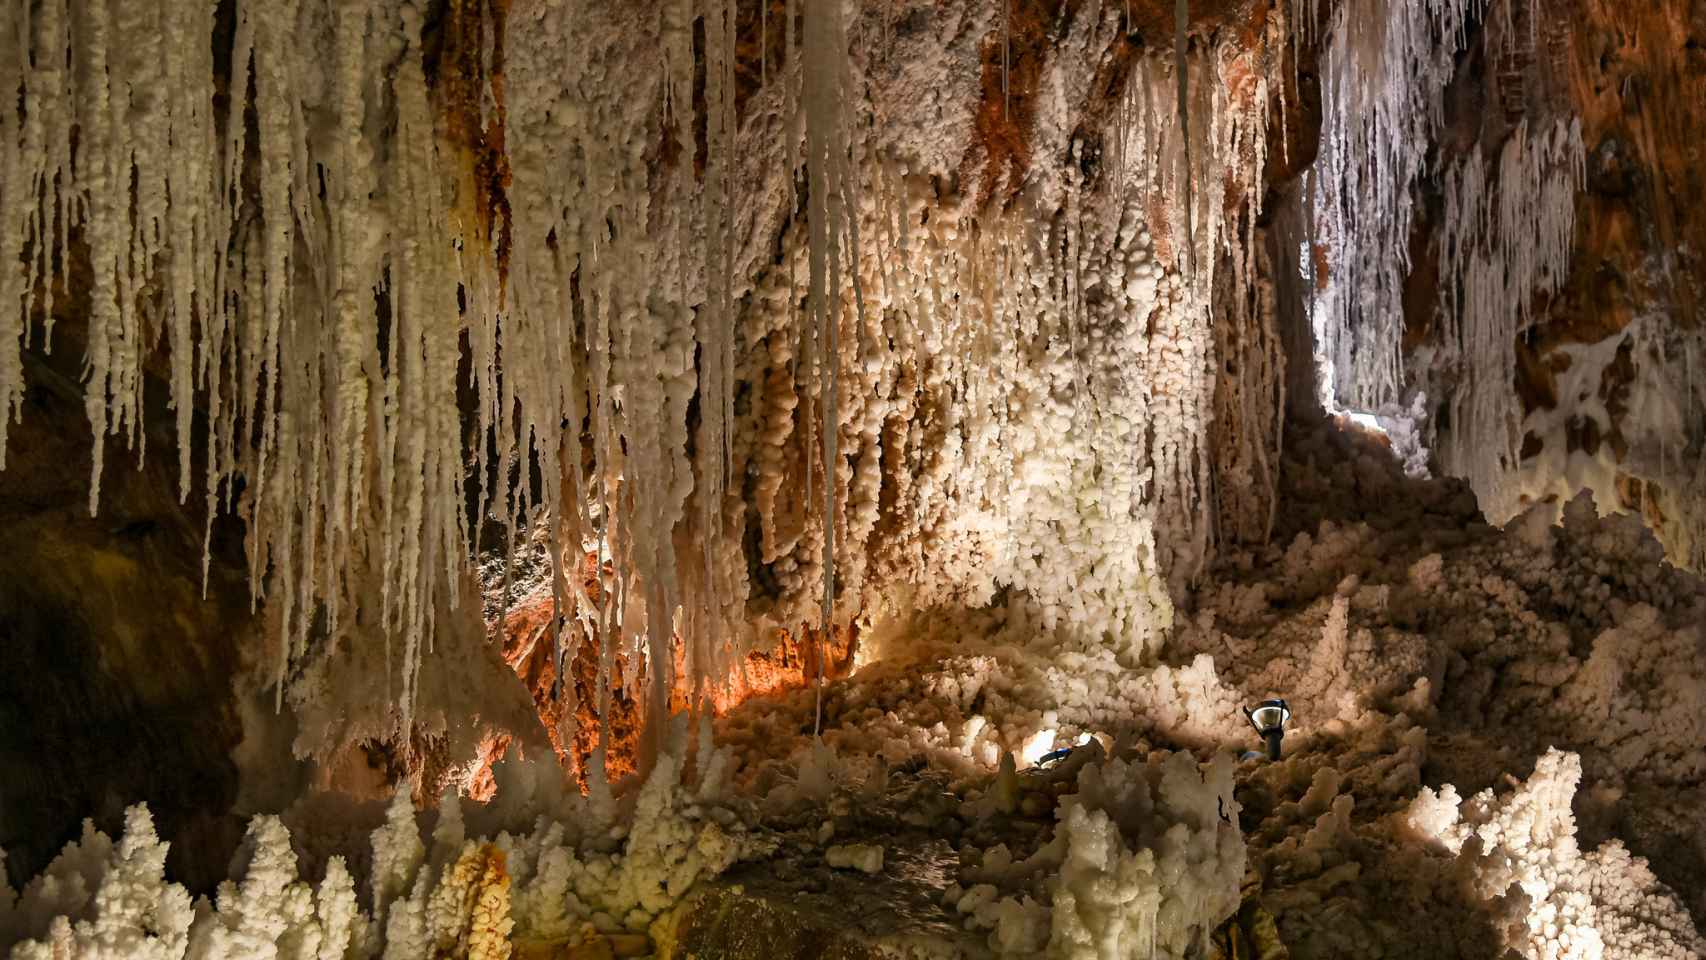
(459, 897)
(1506, 256)
(1384, 71)
(320, 280)
(864, 857)
(1417, 645)
(1429, 658)
(1525, 860)
(814, 352)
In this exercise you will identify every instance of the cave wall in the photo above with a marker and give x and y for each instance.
(288, 273)
(1062, 370)
(116, 673)
(1594, 387)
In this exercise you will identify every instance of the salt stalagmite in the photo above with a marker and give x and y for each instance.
(797, 345)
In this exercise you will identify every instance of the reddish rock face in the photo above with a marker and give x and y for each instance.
(1632, 74)
(789, 664)
(1015, 56)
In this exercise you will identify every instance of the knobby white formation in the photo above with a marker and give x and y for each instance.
(1520, 852)
(864, 857)
(117, 896)
(447, 895)
(1624, 428)
(1141, 863)
(1407, 638)
(1484, 681)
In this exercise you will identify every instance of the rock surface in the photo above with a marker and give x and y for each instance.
(1603, 376)
(735, 921)
(115, 673)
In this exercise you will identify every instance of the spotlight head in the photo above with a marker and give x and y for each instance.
(1269, 718)
(1269, 715)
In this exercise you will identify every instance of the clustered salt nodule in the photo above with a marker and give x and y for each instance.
(1428, 657)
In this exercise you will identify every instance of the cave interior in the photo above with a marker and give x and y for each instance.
(782, 479)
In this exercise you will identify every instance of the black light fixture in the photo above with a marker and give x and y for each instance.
(1269, 718)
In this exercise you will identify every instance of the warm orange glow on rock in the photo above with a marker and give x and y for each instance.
(790, 663)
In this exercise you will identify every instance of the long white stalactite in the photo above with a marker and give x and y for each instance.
(1509, 231)
(706, 319)
(1384, 69)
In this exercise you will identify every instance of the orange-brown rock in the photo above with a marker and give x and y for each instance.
(788, 664)
(1632, 74)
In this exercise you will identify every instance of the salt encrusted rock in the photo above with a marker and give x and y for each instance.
(864, 857)
(99, 897)
(1520, 852)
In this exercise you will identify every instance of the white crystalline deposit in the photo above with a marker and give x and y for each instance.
(1637, 391)
(1383, 74)
(120, 905)
(864, 857)
(965, 690)
(1508, 235)
(955, 374)
(266, 911)
(1417, 644)
(1145, 859)
(1520, 852)
(103, 901)
(106, 901)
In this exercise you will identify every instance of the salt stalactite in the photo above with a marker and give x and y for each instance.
(1249, 401)
(714, 442)
(137, 187)
(264, 298)
(824, 53)
(583, 252)
(1224, 131)
(1182, 69)
(1507, 240)
(1383, 74)
(326, 266)
(1006, 58)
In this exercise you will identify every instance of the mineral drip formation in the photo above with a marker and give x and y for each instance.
(954, 334)
(567, 266)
